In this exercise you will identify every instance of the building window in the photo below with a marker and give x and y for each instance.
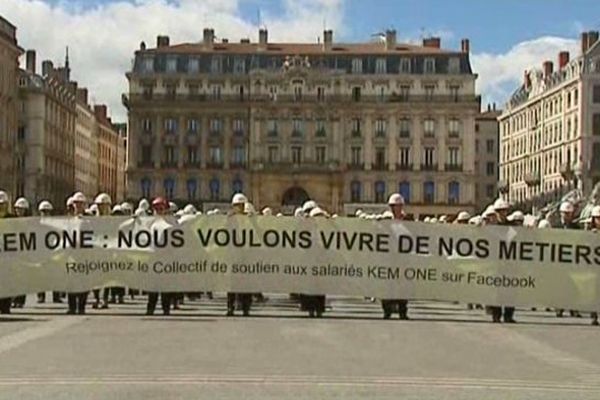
(146, 184)
(216, 65)
(193, 65)
(148, 65)
(170, 125)
(596, 94)
(320, 128)
(453, 193)
(429, 127)
(192, 189)
(297, 127)
(453, 127)
(453, 156)
(355, 127)
(380, 158)
(404, 93)
(596, 124)
(320, 155)
(192, 125)
(404, 157)
(170, 159)
(355, 191)
(428, 157)
(428, 192)
(215, 189)
(297, 154)
(169, 188)
(356, 93)
(171, 90)
(380, 127)
(272, 127)
(192, 157)
(320, 93)
(490, 168)
(238, 155)
(239, 65)
(171, 64)
(379, 192)
(490, 191)
(215, 125)
(454, 90)
(297, 92)
(273, 154)
(147, 125)
(405, 65)
(404, 127)
(356, 155)
(237, 186)
(404, 190)
(489, 146)
(381, 66)
(238, 126)
(357, 66)
(429, 89)
(429, 66)
(146, 154)
(454, 65)
(216, 155)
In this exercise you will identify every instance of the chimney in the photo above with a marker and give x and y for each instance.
(100, 112)
(327, 39)
(548, 68)
(208, 36)
(592, 38)
(225, 40)
(30, 61)
(390, 39)
(47, 67)
(465, 46)
(162, 41)
(432, 42)
(263, 36)
(489, 108)
(245, 40)
(82, 95)
(584, 42)
(563, 59)
(142, 46)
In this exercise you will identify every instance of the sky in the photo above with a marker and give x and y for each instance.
(507, 36)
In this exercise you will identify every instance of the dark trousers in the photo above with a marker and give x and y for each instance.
(77, 302)
(19, 301)
(105, 293)
(244, 299)
(5, 304)
(314, 304)
(389, 306)
(165, 299)
(56, 297)
(116, 294)
(497, 313)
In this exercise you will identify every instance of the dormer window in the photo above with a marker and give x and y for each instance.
(172, 64)
(380, 66)
(357, 66)
(405, 66)
(194, 65)
(454, 65)
(148, 65)
(429, 66)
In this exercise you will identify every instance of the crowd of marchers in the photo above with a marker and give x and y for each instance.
(498, 213)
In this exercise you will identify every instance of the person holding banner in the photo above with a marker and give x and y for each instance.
(567, 221)
(103, 202)
(595, 227)
(5, 302)
(161, 208)
(78, 300)
(238, 207)
(396, 204)
(45, 209)
(21, 207)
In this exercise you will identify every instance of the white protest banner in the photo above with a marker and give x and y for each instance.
(384, 259)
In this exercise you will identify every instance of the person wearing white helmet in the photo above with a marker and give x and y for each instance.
(308, 206)
(443, 219)
(544, 224)
(249, 209)
(238, 207)
(314, 304)
(189, 209)
(70, 206)
(117, 210)
(79, 204)
(5, 302)
(21, 207)
(426, 220)
(517, 218)
(462, 218)
(102, 208)
(267, 211)
(358, 213)
(127, 208)
(298, 212)
(389, 306)
(78, 300)
(104, 203)
(433, 220)
(567, 221)
(45, 208)
(144, 204)
(173, 208)
(489, 216)
(594, 226)
(279, 215)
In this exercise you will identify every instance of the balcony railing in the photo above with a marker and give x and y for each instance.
(307, 166)
(356, 166)
(380, 167)
(404, 167)
(214, 164)
(453, 167)
(429, 167)
(169, 164)
(146, 164)
(356, 133)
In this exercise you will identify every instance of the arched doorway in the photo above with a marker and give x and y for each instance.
(294, 196)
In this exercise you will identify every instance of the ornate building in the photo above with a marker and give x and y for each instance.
(86, 146)
(9, 73)
(486, 156)
(550, 129)
(343, 124)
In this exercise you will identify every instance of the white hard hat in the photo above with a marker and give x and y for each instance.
(309, 205)
(126, 207)
(476, 220)
(433, 220)
(501, 204)
(70, 201)
(318, 212)
(279, 215)
(3, 197)
(238, 198)
(198, 212)
(216, 211)
(489, 211)
(426, 219)
(298, 212)
(103, 198)
(117, 208)
(45, 205)
(173, 207)
(22, 203)
(186, 217)
(516, 216)
(94, 208)
(595, 211)
(358, 212)
(387, 214)
(267, 211)
(443, 219)
(544, 224)
(140, 212)
(249, 208)
(79, 198)
(179, 213)
(396, 199)
(567, 207)
(189, 209)
(144, 204)
(463, 216)
(334, 215)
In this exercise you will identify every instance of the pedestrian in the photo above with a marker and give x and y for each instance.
(78, 300)
(462, 218)
(5, 302)
(244, 299)
(22, 210)
(517, 218)
(567, 221)
(45, 209)
(389, 306)
(595, 227)
(103, 204)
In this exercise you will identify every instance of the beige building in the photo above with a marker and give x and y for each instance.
(343, 124)
(110, 149)
(46, 143)
(9, 101)
(486, 157)
(86, 146)
(550, 129)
